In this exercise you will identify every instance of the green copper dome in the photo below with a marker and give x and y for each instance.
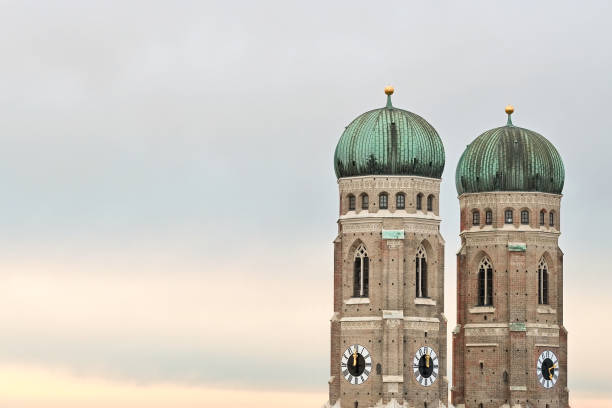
(510, 158)
(389, 141)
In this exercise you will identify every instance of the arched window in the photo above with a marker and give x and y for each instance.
(378, 369)
(551, 215)
(365, 201)
(421, 272)
(542, 217)
(543, 282)
(488, 217)
(430, 199)
(361, 272)
(419, 201)
(400, 201)
(351, 200)
(508, 217)
(383, 201)
(525, 217)
(485, 283)
(475, 217)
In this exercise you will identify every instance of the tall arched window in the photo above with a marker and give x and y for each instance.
(485, 283)
(421, 272)
(400, 201)
(419, 201)
(361, 272)
(525, 217)
(430, 199)
(542, 217)
(383, 201)
(488, 217)
(508, 216)
(543, 282)
(365, 201)
(475, 217)
(351, 202)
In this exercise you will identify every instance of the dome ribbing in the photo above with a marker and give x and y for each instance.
(389, 141)
(510, 158)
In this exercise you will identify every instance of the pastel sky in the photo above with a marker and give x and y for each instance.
(168, 195)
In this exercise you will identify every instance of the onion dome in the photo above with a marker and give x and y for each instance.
(389, 141)
(510, 158)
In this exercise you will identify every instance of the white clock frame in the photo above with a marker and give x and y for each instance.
(348, 353)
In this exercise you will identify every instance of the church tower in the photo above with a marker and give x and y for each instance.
(510, 345)
(388, 330)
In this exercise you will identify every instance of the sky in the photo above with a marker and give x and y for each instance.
(168, 195)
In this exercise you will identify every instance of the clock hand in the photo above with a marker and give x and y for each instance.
(550, 369)
(355, 357)
(427, 360)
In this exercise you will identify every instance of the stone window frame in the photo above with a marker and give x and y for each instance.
(485, 282)
(543, 282)
(509, 216)
(365, 201)
(400, 201)
(488, 216)
(419, 201)
(475, 217)
(361, 272)
(352, 202)
(551, 218)
(525, 215)
(430, 202)
(383, 201)
(420, 260)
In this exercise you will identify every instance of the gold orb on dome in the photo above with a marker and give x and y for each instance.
(389, 90)
(509, 109)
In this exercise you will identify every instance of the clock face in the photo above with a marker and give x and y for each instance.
(356, 364)
(548, 369)
(426, 366)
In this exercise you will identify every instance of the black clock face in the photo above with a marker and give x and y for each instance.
(356, 364)
(425, 368)
(548, 369)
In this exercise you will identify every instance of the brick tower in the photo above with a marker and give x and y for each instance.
(510, 345)
(388, 330)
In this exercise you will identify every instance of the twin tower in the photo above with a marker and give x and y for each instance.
(388, 330)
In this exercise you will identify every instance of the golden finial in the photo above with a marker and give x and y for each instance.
(509, 111)
(389, 90)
